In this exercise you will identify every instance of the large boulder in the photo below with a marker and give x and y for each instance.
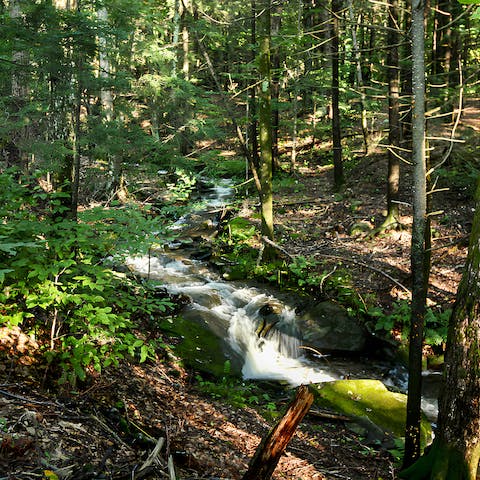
(327, 327)
(370, 401)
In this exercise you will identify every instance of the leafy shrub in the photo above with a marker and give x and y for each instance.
(56, 284)
(436, 322)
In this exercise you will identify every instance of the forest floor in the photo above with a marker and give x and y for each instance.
(108, 427)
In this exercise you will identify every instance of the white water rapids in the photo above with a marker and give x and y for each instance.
(233, 312)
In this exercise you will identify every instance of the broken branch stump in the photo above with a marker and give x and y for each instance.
(269, 451)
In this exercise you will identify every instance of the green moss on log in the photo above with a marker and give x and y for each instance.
(371, 399)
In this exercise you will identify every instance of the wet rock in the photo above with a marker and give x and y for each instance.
(327, 327)
(202, 254)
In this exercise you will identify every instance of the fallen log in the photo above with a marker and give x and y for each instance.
(268, 453)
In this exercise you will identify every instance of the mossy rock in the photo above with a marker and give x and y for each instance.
(199, 348)
(371, 399)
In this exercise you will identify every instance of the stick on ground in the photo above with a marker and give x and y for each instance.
(274, 444)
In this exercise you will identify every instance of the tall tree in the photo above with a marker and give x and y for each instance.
(418, 249)
(15, 151)
(338, 177)
(265, 119)
(276, 53)
(252, 98)
(455, 452)
(359, 77)
(394, 129)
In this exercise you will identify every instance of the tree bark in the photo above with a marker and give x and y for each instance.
(76, 134)
(276, 20)
(418, 250)
(265, 123)
(16, 155)
(359, 78)
(455, 452)
(252, 100)
(338, 178)
(394, 133)
(272, 447)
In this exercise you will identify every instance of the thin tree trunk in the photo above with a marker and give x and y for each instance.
(455, 452)
(265, 121)
(176, 36)
(253, 124)
(418, 250)
(296, 90)
(106, 95)
(276, 20)
(359, 79)
(185, 41)
(338, 177)
(15, 148)
(76, 132)
(394, 133)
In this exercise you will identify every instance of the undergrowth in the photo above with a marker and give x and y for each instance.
(238, 393)
(58, 283)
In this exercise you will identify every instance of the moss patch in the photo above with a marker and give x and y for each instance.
(198, 347)
(371, 399)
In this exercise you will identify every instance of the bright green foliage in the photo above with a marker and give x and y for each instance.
(56, 281)
(436, 322)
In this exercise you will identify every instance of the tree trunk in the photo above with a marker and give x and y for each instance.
(276, 20)
(455, 452)
(76, 134)
(338, 178)
(185, 41)
(418, 251)
(359, 78)
(253, 123)
(406, 86)
(394, 133)
(16, 155)
(265, 122)
(272, 447)
(296, 89)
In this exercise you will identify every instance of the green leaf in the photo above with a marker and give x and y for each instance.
(144, 350)
(3, 272)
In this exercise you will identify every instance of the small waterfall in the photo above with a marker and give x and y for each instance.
(235, 313)
(268, 343)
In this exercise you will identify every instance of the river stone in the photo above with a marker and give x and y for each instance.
(370, 399)
(327, 327)
(200, 348)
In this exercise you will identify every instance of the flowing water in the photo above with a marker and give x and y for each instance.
(233, 311)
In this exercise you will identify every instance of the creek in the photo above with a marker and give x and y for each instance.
(237, 313)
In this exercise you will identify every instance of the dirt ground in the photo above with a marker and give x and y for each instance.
(109, 428)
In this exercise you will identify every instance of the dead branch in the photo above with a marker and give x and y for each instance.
(328, 415)
(153, 454)
(274, 444)
(277, 247)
